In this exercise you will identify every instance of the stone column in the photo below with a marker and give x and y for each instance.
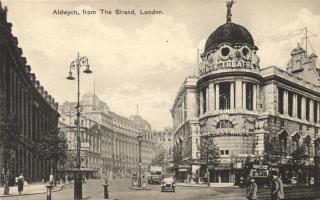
(238, 94)
(212, 97)
(244, 96)
(207, 99)
(231, 95)
(201, 102)
(182, 110)
(217, 97)
(303, 108)
(311, 113)
(254, 106)
(294, 105)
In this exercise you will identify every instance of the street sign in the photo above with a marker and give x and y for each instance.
(85, 145)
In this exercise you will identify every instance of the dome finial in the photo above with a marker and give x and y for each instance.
(229, 5)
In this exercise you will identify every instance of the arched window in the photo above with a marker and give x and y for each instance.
(295, 141)
(224, 96)
(224, 124)
(283, 138)
(307, 144)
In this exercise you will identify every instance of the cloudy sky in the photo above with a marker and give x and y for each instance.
(143, 59)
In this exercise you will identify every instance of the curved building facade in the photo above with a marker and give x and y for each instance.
(244, 108)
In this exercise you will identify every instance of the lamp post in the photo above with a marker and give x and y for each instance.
(139, 137)
(76, 65)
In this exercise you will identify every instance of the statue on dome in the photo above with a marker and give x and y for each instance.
(229, 5)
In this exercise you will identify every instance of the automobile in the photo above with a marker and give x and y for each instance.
(168, 184)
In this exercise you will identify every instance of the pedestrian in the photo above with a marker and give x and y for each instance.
(51, 179)
(20, 183)
(276, 187)
(251, 193)
(144, 183)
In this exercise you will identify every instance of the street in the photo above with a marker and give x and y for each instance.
(119, 190)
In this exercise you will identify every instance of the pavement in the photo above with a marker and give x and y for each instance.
(30, 189)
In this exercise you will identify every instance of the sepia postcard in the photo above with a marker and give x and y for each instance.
(159, 99)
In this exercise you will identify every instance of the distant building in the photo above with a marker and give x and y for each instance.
(186, 130)
(163, 144)
(113, 136)
(164, 138)
(26, 111)
(245, 108)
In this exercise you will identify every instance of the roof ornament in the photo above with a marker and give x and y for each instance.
(229, 5)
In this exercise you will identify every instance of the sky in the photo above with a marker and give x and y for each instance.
(143, 59)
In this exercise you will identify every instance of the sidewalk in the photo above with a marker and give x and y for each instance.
(34, 188)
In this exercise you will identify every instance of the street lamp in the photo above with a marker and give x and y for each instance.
(139, 137)
(76, 65)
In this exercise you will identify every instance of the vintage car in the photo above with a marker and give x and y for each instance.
(168, 184)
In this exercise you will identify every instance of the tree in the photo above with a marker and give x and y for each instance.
(298, 156)
(272, 152)
(209, 154)
(52, 147)
(9, 135)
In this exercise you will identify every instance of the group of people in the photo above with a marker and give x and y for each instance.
(277, 192)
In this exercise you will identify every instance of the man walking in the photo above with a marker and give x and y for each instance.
(251, 193)
(276, 187)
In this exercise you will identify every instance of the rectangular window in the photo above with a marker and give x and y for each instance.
(290, 103)
(280, 100)
(227, 152)
(282, 123)
(300, 127)
(222, 152)
(299, 106)
(249, 97)
(204, 100)
(307, 109)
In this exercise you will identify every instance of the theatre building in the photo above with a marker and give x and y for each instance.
(26, 111)
(244, 107)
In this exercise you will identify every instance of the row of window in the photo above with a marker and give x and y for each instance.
(281, 106)
(225, 96)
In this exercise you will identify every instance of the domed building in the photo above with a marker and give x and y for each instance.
(257, 117)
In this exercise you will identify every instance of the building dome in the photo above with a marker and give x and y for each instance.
(229, 33)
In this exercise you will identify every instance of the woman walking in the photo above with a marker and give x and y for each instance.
(20, 183)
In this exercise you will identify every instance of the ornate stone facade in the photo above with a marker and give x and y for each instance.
(244, 107)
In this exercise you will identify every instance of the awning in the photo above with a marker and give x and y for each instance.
(221, 166)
